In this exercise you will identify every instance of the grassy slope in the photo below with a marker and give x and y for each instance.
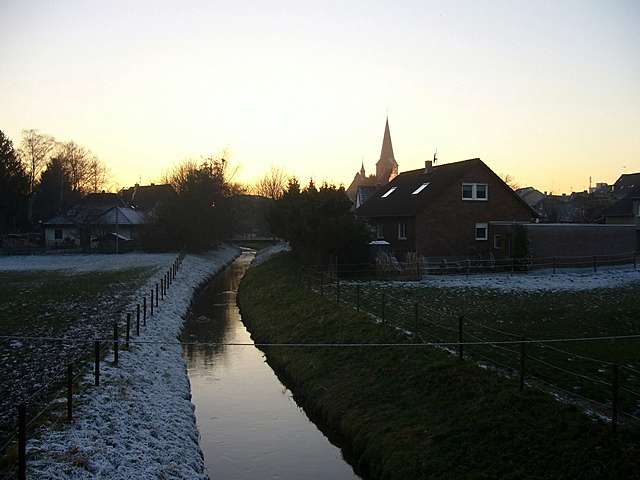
(410, 413)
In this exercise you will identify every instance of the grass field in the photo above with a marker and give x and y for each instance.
(59, 304)
(418, 412)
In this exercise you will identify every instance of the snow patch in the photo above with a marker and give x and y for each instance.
(86, 262)
(140, 422)
(266, 253)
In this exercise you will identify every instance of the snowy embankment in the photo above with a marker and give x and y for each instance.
(85, 263)
(532, 282)
(266, 253)
(139, 423)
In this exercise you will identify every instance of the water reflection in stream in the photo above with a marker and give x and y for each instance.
(250, 426)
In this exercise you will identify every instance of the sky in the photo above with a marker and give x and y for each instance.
(545, 91)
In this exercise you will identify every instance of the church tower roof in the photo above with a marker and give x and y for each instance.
(386, 153)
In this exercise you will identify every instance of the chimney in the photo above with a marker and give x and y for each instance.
(428, 166)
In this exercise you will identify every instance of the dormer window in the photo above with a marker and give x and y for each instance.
(389, 192)
(475, 191)
(420, 188)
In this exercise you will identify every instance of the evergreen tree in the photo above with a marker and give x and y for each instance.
(13, 188)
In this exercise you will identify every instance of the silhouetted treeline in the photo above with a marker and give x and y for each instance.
(196, 218)
(319, 225)
(42, 177)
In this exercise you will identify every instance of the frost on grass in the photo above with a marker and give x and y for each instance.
(534, 281)
(139, 423)
(266, 253)
(85, 263)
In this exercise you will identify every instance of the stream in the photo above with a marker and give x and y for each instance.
(249, 423)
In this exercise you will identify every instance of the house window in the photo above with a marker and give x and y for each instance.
(402, 231)
(475, 191)
(482, 230)
(389, 192)
(420, 188)
(379, 231)
(57, 234)
(498, 242)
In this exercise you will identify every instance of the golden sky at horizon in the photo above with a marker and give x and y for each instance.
(548, 93)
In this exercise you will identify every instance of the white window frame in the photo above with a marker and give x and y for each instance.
(474, 192)
(389, 192)
(402, 231)
(379, 231)
(486, 231)
(420, 188)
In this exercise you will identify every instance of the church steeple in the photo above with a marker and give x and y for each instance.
(386, 167)
(362, 173)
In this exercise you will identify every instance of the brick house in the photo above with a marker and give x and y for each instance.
(445, 211)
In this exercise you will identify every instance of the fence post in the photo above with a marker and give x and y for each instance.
(138, 320)
(615, 392)
(555, 265)
(357, 298)
(152, 302)
(415, 320)
(96, 370)
(156, 294)
(128, 328)
(522, 359)
(70, 392)
(144, 311)
(595, 264)
(460, 336)
(162, 289)
(383, 305)
(22, 441)
(115, 343)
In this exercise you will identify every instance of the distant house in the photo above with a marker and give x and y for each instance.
(626, 210)
(445, 210)
(98, 221)
(147, 198)
(532, 196)
(626, 183)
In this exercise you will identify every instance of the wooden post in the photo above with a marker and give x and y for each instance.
(144, 311)
(152, 300)
(615, 392)
(138, 320)
(162, 289)
(156, 294)
(70, 393)
(358, 298)
(96, 368)
(522, 359)
(460, 337)
(22, 442)
(128, 328)
(416, 325)
(115, 343)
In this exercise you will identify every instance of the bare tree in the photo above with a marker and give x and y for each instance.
(35, 150)
(77, 162)
(273, 184)
(97, 176)
(511, 181)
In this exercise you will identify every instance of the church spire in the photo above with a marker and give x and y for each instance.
(386, 167)
(362, 169)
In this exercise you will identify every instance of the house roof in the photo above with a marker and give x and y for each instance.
(121, 216)
(386, 152)
(628, 180)
(403, 203)
(59, 220)
(364, 193)
(624, 206)
(146, 197)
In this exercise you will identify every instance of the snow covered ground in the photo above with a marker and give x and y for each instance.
(139, 423)
(266, 253)
(85, 263)
(534, 281)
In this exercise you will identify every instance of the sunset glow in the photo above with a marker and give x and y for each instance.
(546, 92)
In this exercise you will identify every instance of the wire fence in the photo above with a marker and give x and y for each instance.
(43, 406)
(605, 388)
(416, 267)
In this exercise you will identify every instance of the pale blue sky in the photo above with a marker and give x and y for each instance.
(546, 91)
